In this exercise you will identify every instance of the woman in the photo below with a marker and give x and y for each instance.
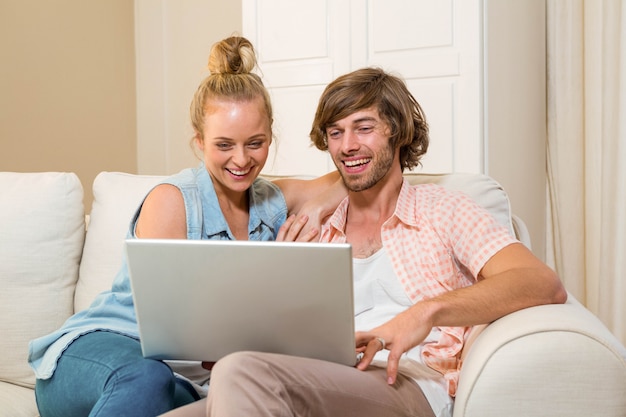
(93, 365)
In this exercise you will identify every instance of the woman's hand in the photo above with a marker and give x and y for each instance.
(298, 229)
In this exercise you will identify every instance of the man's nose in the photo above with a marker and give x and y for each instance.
(350, 142)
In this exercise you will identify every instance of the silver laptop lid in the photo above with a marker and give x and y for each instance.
(203, 299)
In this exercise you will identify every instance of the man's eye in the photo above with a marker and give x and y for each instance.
(365, 129)
(334, 134)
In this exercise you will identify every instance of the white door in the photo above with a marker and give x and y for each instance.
(433, 45)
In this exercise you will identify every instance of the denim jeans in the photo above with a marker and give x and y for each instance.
(105, 374)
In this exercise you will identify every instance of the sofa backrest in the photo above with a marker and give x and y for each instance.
(42, 229)
(116, 196)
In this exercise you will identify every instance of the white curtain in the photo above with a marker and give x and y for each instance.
(587, 153)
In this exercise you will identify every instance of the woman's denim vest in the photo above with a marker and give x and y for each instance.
(114, 310)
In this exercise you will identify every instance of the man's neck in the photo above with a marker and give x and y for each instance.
(368, 210)
(377, 202)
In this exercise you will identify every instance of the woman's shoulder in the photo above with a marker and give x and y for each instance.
(266, 197)
(265, 186)
(186, 177)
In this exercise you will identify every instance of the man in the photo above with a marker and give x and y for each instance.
(428, 264)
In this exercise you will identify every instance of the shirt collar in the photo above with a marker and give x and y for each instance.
(407, 206)
(406, 211)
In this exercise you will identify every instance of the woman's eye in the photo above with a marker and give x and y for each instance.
(256, 144)
(223, 146)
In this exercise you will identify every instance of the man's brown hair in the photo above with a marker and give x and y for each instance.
(372, 87)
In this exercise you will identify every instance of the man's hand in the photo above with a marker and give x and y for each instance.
(405, 331)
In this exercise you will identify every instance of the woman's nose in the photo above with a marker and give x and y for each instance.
(240, 156)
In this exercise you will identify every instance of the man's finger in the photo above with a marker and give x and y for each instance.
(392, 366)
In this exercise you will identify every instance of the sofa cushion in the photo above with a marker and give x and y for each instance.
(16, 401)
(42, 230)
(116, 197)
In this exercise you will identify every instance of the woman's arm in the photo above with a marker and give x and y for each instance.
(163, 214)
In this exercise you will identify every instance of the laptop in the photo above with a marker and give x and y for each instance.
(200, 300)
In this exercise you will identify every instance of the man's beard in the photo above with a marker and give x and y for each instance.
(381, 163)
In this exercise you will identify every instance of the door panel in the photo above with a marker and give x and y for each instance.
(433, 45)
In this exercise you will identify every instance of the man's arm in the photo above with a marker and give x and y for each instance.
(311, 200)
(298, 192)
(511, 280)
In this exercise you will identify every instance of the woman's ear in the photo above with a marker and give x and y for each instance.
(198, 141)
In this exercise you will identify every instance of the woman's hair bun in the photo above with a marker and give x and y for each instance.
(231, 63)
(233, 55)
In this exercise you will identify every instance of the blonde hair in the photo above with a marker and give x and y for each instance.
(231, 62)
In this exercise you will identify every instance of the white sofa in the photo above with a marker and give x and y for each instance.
(543, 361)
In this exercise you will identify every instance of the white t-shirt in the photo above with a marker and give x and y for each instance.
(378, 297)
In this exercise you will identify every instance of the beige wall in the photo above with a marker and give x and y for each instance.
(174, 38)
(68, 87)
(516, 128)
(90, 86)
(68, 82)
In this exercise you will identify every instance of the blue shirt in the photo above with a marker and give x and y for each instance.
(114, 310)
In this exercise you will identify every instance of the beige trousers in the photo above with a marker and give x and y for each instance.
(264, 384)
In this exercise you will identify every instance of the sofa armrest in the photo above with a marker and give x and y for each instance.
(543, 361)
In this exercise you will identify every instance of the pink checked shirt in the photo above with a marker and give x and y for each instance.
(438, 240)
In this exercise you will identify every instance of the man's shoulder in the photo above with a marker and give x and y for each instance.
(429, 193)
